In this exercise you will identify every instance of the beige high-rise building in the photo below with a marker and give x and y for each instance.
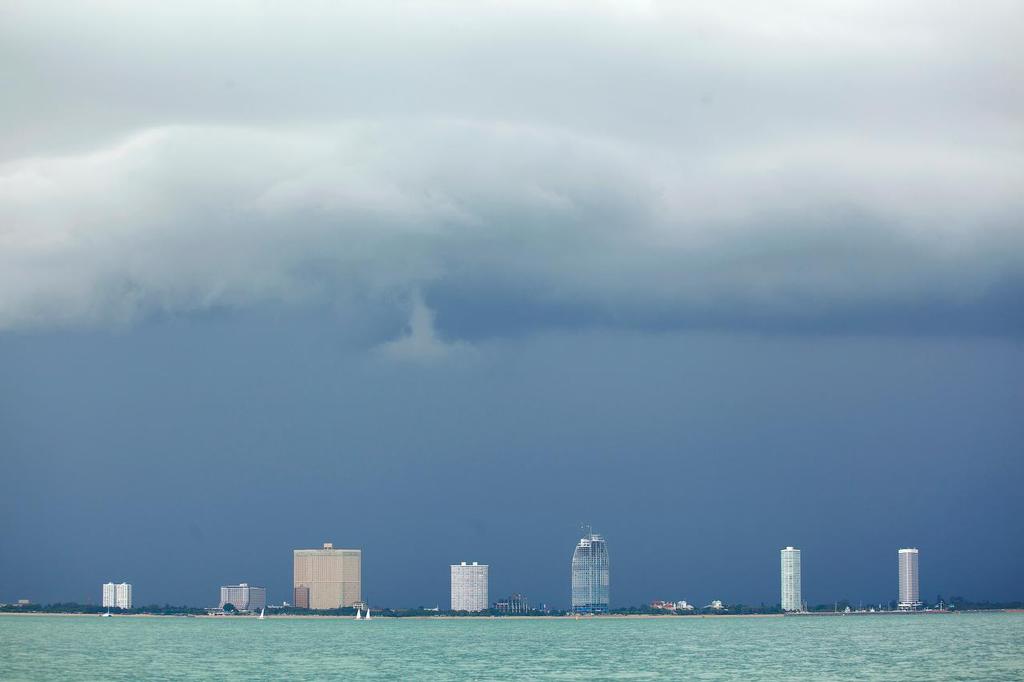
(332, 576)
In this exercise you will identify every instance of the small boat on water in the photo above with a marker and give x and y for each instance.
(359, 614)
(262, 612)
(367, 613)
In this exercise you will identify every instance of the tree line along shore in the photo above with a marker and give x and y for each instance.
(73, 608)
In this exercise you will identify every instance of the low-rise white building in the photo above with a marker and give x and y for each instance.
(243, 597)
(469, 587)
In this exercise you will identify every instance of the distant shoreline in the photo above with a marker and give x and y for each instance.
(604, 616)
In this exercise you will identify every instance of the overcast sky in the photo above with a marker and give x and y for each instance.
(443, 280)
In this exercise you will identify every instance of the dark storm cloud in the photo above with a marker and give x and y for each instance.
(630, 164)
(716, 277)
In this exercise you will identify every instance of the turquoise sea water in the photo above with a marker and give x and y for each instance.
(924, 647)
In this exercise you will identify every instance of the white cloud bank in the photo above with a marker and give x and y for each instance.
(618, 158)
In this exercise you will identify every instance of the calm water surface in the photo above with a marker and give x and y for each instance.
(953, 647)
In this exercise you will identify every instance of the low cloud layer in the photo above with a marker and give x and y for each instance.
(626, 165)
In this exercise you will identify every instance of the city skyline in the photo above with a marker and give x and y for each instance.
(641, 333)
(469, 583)
(442, 282)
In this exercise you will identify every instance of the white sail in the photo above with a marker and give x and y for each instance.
(262, 611)
(367, 613)
(359, 614)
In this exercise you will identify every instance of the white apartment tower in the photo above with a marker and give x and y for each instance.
(910, 595)
(118, 596)
(469, 587)
(791, 600)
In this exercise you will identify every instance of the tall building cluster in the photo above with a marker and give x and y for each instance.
(469, 587)
(590, 582)
(117, 595)
(329, 578)
(909, 590)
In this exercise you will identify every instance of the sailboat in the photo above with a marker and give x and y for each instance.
(262, 612)
(359, 614)
(107, 614)
(367, 613)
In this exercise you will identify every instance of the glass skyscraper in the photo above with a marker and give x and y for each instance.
(590, 575)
